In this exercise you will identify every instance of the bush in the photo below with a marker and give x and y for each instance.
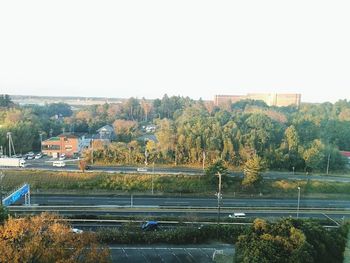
(291, 240)
(179, 235)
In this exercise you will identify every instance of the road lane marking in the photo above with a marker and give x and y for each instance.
(175, 202)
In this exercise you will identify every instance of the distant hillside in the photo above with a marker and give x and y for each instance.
(74, 101)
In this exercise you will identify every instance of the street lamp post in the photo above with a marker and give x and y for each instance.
(146, 157)
(219, 202)
(92, 151)
(1, 176)
(41, 141)
(152, 179)
(298, 201)
(329, 157)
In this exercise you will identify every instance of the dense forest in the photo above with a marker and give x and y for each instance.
(189, 132)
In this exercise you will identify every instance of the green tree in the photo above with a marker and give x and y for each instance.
(292, 138)
(213, 170)
(273, 243)
(152, 150)
(252, 171)
(3, 214)
(260, 132)
(5, 101)
(166, 137)
(314, 156)
(291, 241)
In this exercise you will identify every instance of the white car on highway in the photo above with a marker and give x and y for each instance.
(77, 231)
(59, 164)
(237, 215)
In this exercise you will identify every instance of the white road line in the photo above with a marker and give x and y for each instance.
(126, 254)
(159, 248)
(175, 202)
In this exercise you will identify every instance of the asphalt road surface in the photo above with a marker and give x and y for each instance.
(150, 206)
(170, 254)
(45, 164)
(177, 201)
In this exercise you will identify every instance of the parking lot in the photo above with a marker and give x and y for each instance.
(167, 254)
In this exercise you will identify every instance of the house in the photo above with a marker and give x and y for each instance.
(67, 144)
(149, 128)
(85, 142)
(148, 137)
(346, 154)
(106, 133)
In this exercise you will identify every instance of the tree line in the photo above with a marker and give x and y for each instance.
(308, 138)
(190, 132)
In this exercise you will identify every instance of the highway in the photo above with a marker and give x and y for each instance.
(194, 213)
(43, 164)
(82, 206)
(178, 201)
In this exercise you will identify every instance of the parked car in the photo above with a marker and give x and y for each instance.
(30, 156)
(62, 157)
(150, 226)
(38, 156)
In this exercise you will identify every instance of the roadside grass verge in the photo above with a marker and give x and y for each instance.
(99, 182)
(51, 180)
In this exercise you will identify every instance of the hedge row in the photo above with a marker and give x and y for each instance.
(180, 235)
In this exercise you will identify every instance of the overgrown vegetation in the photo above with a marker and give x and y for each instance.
(133, 234)
(291, 240)
(172, 184)
(287, 240)
(44, 238)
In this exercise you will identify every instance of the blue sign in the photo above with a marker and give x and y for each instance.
(15, 196)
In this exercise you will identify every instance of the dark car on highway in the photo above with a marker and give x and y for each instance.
(150, 226)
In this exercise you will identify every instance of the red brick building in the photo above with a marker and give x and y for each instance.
(67, 144)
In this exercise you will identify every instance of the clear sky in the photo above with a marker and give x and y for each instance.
(191, 48)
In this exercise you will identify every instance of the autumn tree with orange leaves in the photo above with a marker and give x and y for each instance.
(46, 238)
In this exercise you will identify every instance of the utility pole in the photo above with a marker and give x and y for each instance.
(41, 141)
(298, 201)
(203, 161)
(9, 137)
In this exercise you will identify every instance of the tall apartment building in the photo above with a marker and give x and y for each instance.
(271, 99)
